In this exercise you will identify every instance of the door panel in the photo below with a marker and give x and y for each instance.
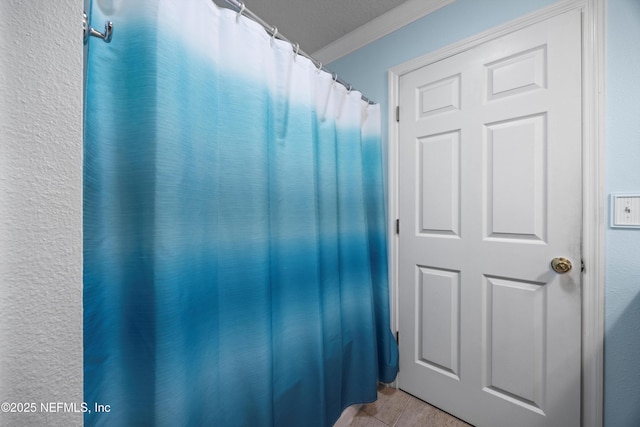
(439, 326)
(515, 350)
(515, 166)
(490, 192)
(439, 193)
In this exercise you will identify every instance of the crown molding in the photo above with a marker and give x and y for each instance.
(396, 18)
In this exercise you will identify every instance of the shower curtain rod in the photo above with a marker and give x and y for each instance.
(240, 7)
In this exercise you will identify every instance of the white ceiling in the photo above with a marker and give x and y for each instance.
(313, 24)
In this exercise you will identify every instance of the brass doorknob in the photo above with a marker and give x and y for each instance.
(561, 265)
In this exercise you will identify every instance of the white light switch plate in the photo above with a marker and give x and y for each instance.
(625, 210)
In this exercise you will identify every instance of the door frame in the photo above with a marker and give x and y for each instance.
(593, 180)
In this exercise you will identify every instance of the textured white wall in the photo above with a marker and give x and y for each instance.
(40, 208)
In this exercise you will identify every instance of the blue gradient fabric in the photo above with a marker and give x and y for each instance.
(235, 258)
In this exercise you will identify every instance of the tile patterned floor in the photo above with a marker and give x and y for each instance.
(395, 408)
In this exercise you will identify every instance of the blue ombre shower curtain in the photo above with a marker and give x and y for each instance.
(234, 233)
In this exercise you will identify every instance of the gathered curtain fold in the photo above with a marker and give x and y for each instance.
(235, 255)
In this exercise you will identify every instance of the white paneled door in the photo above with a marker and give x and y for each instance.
(489, 194)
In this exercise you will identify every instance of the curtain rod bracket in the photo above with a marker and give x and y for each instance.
(89, 31)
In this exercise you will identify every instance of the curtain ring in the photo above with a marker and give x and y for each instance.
(319, 67)
(335, 78)
(349, 90)
(274, 33)
(295, 54)
(241, 11)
